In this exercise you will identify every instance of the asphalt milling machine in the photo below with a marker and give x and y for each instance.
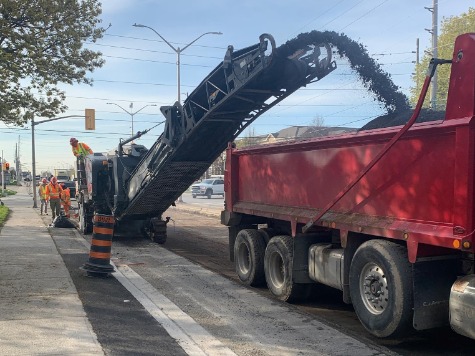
(137, 185)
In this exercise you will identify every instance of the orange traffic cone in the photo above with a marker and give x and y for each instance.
(98, 264)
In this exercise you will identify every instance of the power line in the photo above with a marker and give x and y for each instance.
(336, 18)
(323, 13)
(155, 40)
(151, 50)
(365, 14)
(155, 61)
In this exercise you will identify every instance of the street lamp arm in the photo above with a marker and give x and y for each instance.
(207, 33)
(54, 119)
(178, 52)
(143, 108)
(120, 107)
(159, 35)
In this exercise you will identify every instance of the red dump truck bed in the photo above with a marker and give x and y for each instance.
(420, 191)
(395, 242)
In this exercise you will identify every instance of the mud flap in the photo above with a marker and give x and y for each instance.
(433, 279)
(159, 230)
(302, 243)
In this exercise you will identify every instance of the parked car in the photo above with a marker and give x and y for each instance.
(208, 188)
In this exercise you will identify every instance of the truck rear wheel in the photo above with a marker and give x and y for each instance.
(155, 230)
(249, 249)
(278, 263)
(85, 221)
(381, 288)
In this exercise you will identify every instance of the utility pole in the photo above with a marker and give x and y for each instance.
(18, 164)
(417, 63)
(434, 32)
(3, 175)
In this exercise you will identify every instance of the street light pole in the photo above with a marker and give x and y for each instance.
(33, 163)
(178, 51)
(130, 112)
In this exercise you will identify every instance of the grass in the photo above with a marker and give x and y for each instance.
(7, 192)
(3, 214)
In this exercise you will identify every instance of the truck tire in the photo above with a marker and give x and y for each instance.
(209, 193)
(249, 249)
(267, 234)
(157, 232)
(381, 288)
(278, 262)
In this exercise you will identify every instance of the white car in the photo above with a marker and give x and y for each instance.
(208, 188)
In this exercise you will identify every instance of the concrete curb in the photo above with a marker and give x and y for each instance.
(209, 212)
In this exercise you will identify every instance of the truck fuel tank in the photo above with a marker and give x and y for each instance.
(325, 265)
(462, 306)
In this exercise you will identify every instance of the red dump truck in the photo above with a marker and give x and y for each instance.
(385, 215)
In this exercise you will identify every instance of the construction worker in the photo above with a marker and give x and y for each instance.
(80, 149)
(65, 197)
(43, 196)
(53, 192)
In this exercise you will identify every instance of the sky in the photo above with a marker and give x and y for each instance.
(140, 73)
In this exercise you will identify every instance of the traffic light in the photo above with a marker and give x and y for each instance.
(90, 115)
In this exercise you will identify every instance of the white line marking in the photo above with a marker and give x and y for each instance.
(191, 336)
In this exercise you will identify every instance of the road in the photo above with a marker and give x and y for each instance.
(203, 240)
(216, 201)
(200, 301)
(202, 312)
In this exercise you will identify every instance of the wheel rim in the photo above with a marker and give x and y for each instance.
(374, 288)
(244, 259)
(276, 270)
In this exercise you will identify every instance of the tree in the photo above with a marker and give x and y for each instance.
(41, 46)
(315, 127)
(318, 122)
(450, 27)
(248, 140)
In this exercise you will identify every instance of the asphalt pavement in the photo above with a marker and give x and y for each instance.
(41, 311)
(48, 306)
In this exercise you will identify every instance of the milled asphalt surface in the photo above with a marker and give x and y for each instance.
(42, 312)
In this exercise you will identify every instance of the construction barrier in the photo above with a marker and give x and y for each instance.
(98, 264)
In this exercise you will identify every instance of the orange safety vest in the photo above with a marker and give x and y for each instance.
(53, 191)
(66, 197)
(42, 191)
(81, 150)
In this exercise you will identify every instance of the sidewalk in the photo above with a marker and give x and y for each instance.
(212, 212)
(40, 311)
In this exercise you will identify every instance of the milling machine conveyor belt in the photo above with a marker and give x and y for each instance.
(246, 84)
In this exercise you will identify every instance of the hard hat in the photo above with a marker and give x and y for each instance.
(44, 181)
(73, 140)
